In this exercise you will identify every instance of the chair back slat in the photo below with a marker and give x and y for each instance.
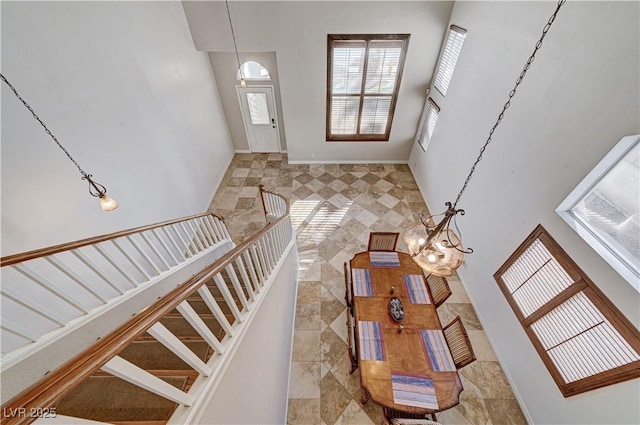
(383, 241)
(395, 417)
(459, 344)
(438, 288)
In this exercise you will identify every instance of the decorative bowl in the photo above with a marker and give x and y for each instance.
(396, 309)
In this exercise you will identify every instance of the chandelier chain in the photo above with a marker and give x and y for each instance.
(512, 93)
(233, 35)
(84, 174)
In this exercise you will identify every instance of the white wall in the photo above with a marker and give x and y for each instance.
(255, 387)
(578, 99)
(123, 89)
(297, 32)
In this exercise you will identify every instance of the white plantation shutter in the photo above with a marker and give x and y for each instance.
(427, 123)
(449, 57)
(364, 77)
(583, 339)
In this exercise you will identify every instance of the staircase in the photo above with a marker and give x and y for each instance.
(161, 365)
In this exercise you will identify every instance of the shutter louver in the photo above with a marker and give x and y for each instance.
(452, 49)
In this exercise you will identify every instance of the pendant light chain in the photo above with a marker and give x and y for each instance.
(512, 93)
(235, 46)
(43, 125)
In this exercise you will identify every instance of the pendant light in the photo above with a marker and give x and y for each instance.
(95, 189)
(437, 248)
(243, 82)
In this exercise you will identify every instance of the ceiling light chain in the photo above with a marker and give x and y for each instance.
(512, 93)
(95, 188)
(435, 247)
(243, 83)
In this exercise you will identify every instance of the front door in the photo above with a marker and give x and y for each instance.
(259, 115)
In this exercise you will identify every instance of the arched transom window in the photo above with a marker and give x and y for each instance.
(252, 70)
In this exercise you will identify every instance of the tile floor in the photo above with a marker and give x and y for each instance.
(333, 209)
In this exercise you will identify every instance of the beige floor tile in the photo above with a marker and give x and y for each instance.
(304, 411)
(305, 380)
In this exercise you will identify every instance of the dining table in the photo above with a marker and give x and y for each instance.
(404, 360)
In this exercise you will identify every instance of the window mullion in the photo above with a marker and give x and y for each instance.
(365, 66)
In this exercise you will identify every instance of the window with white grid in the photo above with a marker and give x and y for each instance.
(427, 123)
(583, 339)
(363, 78)
(449, 57)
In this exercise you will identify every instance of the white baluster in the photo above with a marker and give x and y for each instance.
(19, 330)
(198, 324)
(113, 264)
(174, 243)
(155, 250)
(144, 254)
(34, 306)
(252, 271)
(165, 246)
(236, 285)
(133, 261)
(74, 277)
(226, 294)
(131, 373)
(169, 340)
(215, 309)
(245, 277)
(50, 287)
(195, 239)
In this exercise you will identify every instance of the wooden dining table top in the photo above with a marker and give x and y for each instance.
(411, 370)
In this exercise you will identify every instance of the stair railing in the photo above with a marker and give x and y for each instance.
(46, 289)
(242, 277)
(274, 205)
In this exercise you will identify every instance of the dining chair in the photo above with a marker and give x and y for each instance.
(438, 289)
(350, 328)
(383, 241)
(396, 417)
(459, 344)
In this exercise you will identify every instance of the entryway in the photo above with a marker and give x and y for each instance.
(258, 107)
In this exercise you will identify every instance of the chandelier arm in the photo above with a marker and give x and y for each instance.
(512, 93)
(24, 102)
(435, 231)
(459, 233)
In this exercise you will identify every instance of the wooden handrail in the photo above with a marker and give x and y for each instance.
(264, 206)
(43, 252)
(55, 385)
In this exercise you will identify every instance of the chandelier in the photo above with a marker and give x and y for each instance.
(95, 189)
(436, 247)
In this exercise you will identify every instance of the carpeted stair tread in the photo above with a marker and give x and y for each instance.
(107, 398)
(182, 329)
(201, 307)
(152, 355)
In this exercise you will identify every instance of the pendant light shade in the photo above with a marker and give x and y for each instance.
(107, 203)
(435, 247)
(440, 257)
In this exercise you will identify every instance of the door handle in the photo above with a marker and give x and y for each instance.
(273, 122)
